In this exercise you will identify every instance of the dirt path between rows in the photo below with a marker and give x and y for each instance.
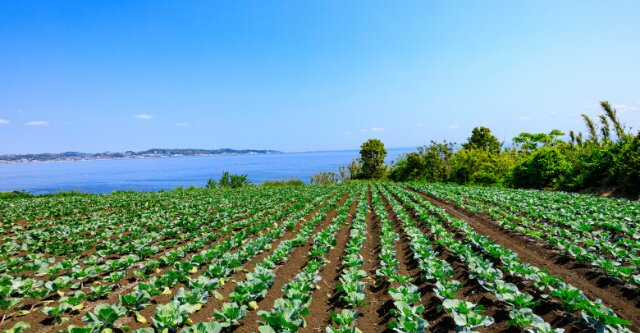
(373, 317)
(284, 274)
(326, 299)
(623, 303)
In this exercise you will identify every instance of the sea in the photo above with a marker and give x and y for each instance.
(155, 174)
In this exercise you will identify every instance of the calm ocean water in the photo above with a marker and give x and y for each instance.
(155, 174)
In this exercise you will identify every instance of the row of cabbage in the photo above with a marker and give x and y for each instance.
(211, 278)
(70, 237)
(42, 279)
(352, 280)
(481, 254)
(610, 245)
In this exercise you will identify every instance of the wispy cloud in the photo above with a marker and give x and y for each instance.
(554, 112)
(37, 123)
(181, 124)
(364, 130)
(420, 124)
(625, 108)
(525, 118)
(348, 133)
(142, 116)
(453, 126)
(378, 129)
(4, 121)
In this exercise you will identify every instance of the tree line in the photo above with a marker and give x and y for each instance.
(606, 155)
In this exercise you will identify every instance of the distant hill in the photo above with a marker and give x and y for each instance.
(151, 153)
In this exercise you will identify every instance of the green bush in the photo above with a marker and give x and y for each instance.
(546, 167)
(480, 167)
(628, 166)
(229, 181)
(591, 166)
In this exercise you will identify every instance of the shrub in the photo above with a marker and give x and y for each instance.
(480, 167)
(229, 181)
(628, 166)
(547, 167)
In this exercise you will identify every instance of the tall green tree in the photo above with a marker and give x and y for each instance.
(530, 141)
(481, 138)
(372, 154)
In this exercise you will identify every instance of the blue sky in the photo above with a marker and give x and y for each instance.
(98, 76)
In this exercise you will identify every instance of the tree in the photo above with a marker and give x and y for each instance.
(372, 154)
(529, 141)
(408, 166)
(436, 158)
(481, 138)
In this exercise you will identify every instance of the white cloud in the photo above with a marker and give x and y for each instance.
(364, 130)
(554, 112)
(37, 123)
(453, 126)
(525, 118)
(348, 133)
(181, 124)
(632, 108)
(378, 129)
(21, 110)
(3, 121)
(620, 106)
(142, 116)
(420, 124)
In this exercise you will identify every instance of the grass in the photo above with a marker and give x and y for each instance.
(293, 181)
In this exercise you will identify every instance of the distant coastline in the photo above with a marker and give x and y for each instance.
(151, 153)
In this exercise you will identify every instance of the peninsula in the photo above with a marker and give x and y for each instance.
(151, 153)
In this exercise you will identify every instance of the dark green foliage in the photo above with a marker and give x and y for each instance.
(372, 154)
(430, 163)
(15, 195)
(481, 138)
(608, 157)
(628, 166)
(546, 167)
(408, 167)
(436, 157)
(229, 181)
(592, 166)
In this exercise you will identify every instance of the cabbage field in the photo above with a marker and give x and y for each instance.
(354, 257)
